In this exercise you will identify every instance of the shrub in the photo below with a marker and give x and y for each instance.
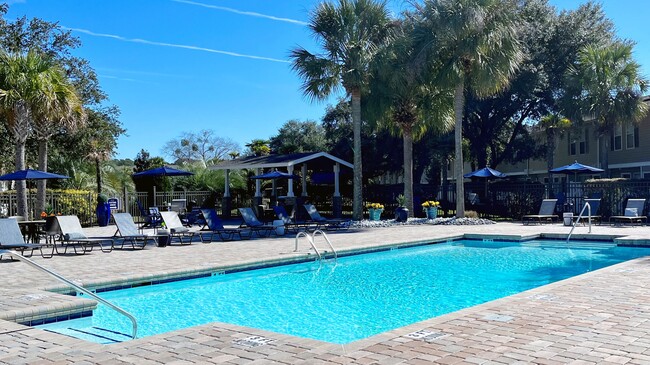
(471, 214)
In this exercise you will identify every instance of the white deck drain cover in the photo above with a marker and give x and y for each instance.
(426, 335)
(546, 297)
(252, 341)
(498, 318)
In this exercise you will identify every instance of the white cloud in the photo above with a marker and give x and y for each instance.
(241, 12)
(172, 45)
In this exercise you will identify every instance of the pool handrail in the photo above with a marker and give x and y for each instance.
(588, 208)
(77, 287)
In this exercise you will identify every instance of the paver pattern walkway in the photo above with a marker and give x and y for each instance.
(602, 317)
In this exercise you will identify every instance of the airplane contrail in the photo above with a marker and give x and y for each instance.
(241, 12)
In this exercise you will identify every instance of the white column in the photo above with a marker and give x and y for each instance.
(226, 187)
(258, 184)
(290, 182)
(337, 169)
(304, 179)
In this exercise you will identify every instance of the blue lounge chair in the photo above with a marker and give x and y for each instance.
(291, 224)
(328, 223)
(215, 226)
(546, 213)
(251, 221)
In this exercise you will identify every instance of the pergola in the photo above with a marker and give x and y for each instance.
(320, 161)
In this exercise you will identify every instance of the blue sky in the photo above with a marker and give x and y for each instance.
(176, 66)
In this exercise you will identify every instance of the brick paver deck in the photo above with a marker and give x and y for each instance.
(602, 317)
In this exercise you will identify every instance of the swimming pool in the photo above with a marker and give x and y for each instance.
(354, 298)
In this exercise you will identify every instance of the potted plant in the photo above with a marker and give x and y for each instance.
(431, 208)
(103, 210)
(374, 211)
(401, 213)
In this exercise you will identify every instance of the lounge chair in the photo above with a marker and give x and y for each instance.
(546, 213)
(151, 216)
(215, 226)
(251, 221)
(595, 211)
(176, 228)
(328, 223)
(633, 213)
(72, 235)
(11, 238)
(127, 231)
(291, 224)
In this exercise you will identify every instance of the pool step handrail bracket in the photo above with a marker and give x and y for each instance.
(311, 239)
(77, 287)
(587, 207)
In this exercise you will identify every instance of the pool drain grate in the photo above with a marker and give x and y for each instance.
(426, 335)
(252, 341)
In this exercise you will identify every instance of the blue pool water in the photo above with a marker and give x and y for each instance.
(354, 298)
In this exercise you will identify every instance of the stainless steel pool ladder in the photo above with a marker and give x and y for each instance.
(77, 287)
(586, 207)
(311, 238)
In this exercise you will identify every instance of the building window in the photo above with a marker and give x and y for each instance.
(578, 144)
(617, 142)
(631, 136)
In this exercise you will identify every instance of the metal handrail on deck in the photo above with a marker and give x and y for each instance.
(75, 286)
(311, 242)
(588, 208)
(313, 237)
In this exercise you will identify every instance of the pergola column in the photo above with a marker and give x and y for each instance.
(226, 201)
(290, 182)
(257, 199)
(258, 184)
(304, 179)
(337, 201)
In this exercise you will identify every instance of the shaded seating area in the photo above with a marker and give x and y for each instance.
(215, 227)
(322, 222)
(633, 213)
(546, 213)
(11, 238)
(251, 221)
(72, 235)
(177, 229)
(128, 232)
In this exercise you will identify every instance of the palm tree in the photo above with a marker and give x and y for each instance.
(65, 113)
(606, 85)
(405, 100)
(29, 85)
(351, 33)
(476, 44)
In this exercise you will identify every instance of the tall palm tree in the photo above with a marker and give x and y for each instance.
(65, 113)
(351, 33)
(476, 44)
(29, 84)
(606, 84)
(404, 99)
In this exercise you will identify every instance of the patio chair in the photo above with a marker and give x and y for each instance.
(251, 221)
(151, 216)
(215, 226)
(291, 224)
(128, 231)
(11, 238)
(328, 223)
(72, 235)
(176, 228)
(633, 213)
(546, 213)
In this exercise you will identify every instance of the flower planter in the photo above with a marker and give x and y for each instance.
(103, 214)
(432, 213)
(401, 214)
(374, 214)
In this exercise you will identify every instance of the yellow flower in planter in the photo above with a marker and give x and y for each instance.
(375, 206)
(431, 204)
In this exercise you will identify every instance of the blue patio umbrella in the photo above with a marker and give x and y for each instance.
(276, 175)
(163, 171)
(485, 172)
(576, 168)
(30, 174)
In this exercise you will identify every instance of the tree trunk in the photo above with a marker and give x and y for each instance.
(407, 137)
(604, 153)
(42, 184)
(98, 173)
(21, 185)
(357, 205)
(459, 104)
